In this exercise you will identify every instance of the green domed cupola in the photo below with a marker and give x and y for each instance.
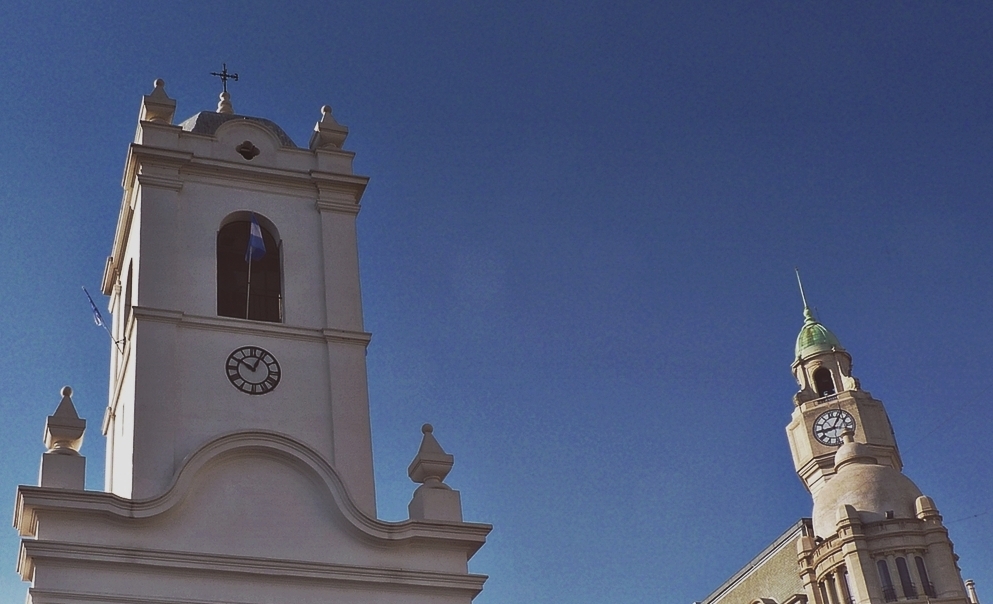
(814, 337)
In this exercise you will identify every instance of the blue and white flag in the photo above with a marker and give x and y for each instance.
(97, 318)
(256, 247)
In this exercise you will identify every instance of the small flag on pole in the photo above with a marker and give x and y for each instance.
(97, 317)
(256, 246)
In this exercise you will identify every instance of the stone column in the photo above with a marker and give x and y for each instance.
(865, 585)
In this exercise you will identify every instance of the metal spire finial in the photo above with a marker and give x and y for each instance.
(808, 314)
(224, 105)
(225, 76)
(800, 283)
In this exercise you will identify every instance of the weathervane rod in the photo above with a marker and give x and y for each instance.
(800, 283)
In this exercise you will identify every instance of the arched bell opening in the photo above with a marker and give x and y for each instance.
(249, 283)
(823, 382)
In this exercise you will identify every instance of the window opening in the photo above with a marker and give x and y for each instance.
(925, 581)
(263, 300)
(909, 590)
(889, 593)
(823, 382)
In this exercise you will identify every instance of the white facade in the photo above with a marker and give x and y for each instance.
(215, 494)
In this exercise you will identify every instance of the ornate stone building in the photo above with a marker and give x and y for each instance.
(873, 536)
(239, 457)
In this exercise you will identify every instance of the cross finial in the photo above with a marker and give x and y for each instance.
(225, 76)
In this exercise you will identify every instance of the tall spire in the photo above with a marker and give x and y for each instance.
(800, 283)
(808, 314)
(813, 337)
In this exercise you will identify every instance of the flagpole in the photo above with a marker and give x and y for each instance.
(248, 295)
(98, 319)
(256, 247)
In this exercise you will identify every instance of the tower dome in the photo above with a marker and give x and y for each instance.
(814, 337)
(876, 491)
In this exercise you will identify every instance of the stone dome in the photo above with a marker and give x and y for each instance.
(869, 487)
(814, 337)
(852, 451)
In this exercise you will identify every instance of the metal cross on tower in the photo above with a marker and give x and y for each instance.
(225, 76)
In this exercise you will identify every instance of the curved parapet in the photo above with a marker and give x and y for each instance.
(239, 503)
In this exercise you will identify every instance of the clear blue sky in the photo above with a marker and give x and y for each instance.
(577, 249)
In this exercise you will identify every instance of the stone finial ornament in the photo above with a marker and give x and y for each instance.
(925, 509)
(62, 467)
(431, 464)
(433, 500)
(64, 429)
(328, 133)
(157, 107)
(224, 103)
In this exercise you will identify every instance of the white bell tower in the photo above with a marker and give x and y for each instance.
(239, 457)
(182, 304)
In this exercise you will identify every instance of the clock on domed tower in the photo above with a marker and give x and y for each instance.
(829, 403)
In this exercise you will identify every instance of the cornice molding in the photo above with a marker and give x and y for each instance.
(247, 326)
(123, 558)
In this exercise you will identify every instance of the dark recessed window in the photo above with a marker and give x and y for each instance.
(889, 593)
(248, 291)
(925, 580)
(823, 382)
(909, 589)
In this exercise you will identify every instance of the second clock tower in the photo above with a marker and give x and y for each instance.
(831, 401)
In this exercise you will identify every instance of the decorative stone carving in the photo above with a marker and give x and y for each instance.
(328, 133)
(62, 466)
(157, 107)
(433, 500)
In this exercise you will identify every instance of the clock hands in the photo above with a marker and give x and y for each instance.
(251, 366)
(245, 363)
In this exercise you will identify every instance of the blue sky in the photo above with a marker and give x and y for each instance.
(577, 249)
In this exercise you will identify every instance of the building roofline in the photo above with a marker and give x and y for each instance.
(800, 527)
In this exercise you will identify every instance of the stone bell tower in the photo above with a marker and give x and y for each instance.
(239, 455)
(875, 537)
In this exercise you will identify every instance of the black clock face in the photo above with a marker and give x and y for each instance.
(252, 370)
(830, 425)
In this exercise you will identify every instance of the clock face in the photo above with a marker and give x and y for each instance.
(252, 370)
(830, 425)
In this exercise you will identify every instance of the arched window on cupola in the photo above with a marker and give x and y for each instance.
(823, 382)
(249, 284)
(909, 590)
(925, 580)
(889, 593)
